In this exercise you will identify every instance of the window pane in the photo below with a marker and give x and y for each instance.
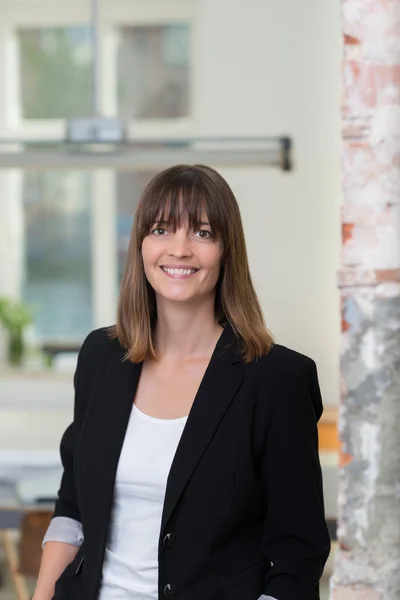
(129, 189)
(55, 72)
(153, 70)
(58, 253)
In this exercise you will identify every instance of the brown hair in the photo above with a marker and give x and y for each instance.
(180, 191)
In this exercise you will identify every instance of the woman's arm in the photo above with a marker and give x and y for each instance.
(67, 504)
(295, 537)
(60, 545)
(55, 558)
(64, 534)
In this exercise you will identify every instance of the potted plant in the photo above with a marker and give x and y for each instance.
(15, 316)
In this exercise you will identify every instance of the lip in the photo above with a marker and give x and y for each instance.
(179, 267)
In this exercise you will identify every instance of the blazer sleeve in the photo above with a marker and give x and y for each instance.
(295, 535)
(64, 529)
(66, 503)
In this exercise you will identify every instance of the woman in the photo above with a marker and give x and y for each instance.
(191, 467)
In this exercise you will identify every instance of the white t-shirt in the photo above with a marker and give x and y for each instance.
(130, 569)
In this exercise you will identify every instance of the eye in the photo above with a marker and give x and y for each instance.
(204, 234)
(159, 231)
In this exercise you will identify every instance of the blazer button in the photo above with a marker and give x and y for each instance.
(170, 590)
(169, 540)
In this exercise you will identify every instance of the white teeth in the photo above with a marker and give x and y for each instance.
(179, 271)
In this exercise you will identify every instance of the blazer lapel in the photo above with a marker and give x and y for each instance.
(220, 383)
(119, 389)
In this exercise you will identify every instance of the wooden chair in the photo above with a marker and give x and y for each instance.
(23, 549)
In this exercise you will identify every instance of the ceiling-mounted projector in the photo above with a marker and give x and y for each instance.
(89, 130)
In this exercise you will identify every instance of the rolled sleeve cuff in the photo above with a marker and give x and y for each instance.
(64, 529)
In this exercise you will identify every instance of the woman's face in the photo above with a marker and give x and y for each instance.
(183, 265)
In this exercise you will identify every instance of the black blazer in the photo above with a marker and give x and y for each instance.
(243, 513)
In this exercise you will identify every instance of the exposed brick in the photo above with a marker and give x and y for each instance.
(345, 459)
(367, 86)
(354, 277)
(350, 40)
(347, 229)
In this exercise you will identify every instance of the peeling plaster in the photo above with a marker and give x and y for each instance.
(368, 503)
(367, 565)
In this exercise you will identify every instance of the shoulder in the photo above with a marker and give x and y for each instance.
(282, 361)
(97, 345)
(288, 377)
(95, 338)
(93, 356)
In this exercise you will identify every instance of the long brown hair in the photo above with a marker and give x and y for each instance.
(185, 191)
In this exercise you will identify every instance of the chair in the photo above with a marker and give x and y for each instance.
(23, 555)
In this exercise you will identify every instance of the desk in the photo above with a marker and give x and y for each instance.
(12, 508)
(27, 480)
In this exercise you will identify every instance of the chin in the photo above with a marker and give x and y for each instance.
(175, 295)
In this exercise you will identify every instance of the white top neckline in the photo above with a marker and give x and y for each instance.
(147, 417)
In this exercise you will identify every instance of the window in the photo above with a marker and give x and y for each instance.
(129, 189)
(57, 278)
(54, 72)
(153, 72)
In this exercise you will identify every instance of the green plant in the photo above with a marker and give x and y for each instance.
(15, 316)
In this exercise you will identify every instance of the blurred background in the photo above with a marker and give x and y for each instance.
(169, 70)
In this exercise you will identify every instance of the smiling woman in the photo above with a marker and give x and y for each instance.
(188, 218)
(191, 467)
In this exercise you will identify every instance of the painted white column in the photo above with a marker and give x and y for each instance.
(11, 241)
(11, 235)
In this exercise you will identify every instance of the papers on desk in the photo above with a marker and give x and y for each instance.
(38, 491)
(8, 497)
(28, 463)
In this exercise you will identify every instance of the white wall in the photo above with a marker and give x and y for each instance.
(35, 409)
(267, 67)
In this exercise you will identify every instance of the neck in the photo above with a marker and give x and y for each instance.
(184, 331)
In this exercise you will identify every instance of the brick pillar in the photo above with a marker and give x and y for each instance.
(367, 564)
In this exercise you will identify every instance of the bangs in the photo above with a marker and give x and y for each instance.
(172, 202)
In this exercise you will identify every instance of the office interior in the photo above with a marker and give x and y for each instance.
(253, 89)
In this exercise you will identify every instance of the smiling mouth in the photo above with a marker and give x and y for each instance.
(179, 273)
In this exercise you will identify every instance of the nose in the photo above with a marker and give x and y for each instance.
(180, 244)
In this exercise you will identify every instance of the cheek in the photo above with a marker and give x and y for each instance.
(149, 253)
(213, 261)
(217, 257)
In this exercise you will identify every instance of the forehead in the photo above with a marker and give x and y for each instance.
(180, 210)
